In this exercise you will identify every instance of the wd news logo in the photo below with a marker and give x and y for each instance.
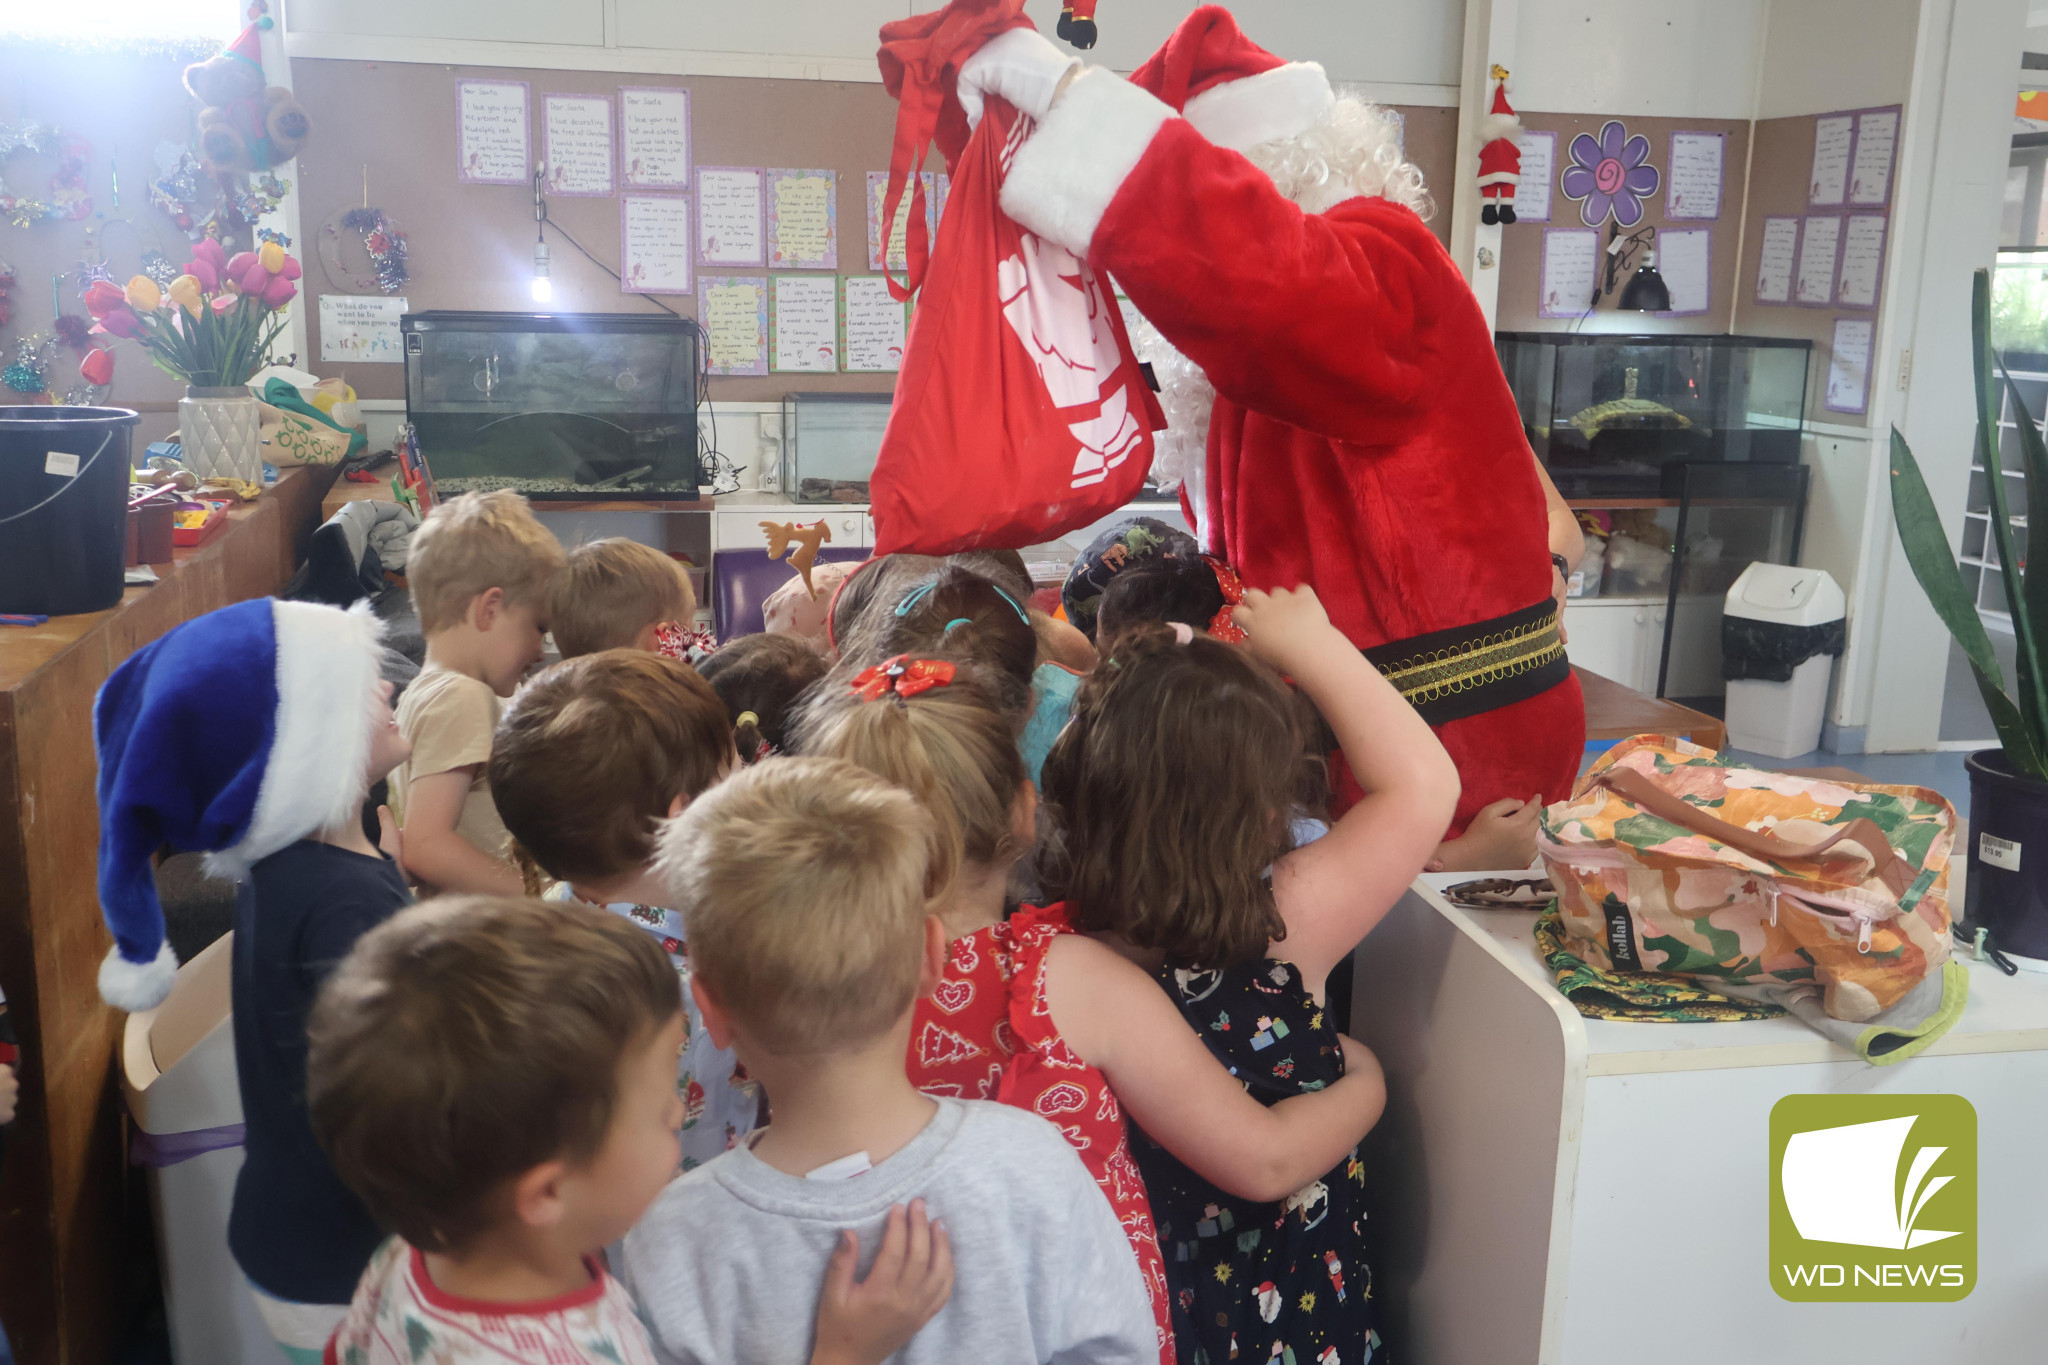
(1873, 1198)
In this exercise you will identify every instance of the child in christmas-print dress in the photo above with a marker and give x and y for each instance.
(1167, 794)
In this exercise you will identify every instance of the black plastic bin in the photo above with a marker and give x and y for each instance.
(63, 508)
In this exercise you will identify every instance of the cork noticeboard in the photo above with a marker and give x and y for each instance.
(471, 245)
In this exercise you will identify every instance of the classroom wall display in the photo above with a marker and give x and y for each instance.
(1685, 258)
(732, 220)
(1862, 260)
(1532, 191)
(1776, 259)
(1848, 387)
(803, 323)
(873, 325)
(1833, 135)
(654, 128)
(733, 310)
(576, 140)
(358, 329)
(1692, 189)
(803, 220)
(654, 243)
(493, 147)
(1870, 165)
(1571, 271)
(898, 257)
(1609, 175)
(1813, 283)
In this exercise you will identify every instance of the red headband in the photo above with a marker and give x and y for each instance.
(902, 677)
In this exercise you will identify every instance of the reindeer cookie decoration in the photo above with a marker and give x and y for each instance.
(800, 542)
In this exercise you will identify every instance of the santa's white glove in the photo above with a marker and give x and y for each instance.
(1021, 66)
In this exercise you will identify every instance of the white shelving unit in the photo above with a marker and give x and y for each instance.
(1983, 575)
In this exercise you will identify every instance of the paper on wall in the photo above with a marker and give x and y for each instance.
(939, 200)
(873, 325)
(654, 137)
(731, 225)
(359, 329)
(1831, 138)
(1776, 259)
(1694, 187)
(1571, 272)
(654, 243)
(1685, 260)
(491, 133)
(803, 323)
(1819, 239)
(1862, 260)
(734, 312)
(1532, 191)
(1870, 174)
(577, 133)
(1849, 365)
(803, 219)
(899, 236)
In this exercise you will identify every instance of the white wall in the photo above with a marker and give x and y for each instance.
(1836, 54)
(1673, 58)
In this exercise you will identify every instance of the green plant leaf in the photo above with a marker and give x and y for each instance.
(2032, 701)
(1927, 550)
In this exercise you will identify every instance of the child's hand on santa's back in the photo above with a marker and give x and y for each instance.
(1286, 626)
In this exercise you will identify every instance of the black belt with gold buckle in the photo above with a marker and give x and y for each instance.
(1450, 674)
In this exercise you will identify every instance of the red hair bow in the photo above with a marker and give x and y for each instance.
(903, 676)
(1223, 626)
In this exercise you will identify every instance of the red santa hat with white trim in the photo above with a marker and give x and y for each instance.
(1234, 92)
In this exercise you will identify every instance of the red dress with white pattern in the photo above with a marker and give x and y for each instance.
(985, 1033)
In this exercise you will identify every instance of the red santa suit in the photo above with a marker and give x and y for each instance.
(1363, 438)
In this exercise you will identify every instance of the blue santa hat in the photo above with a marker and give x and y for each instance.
(238, 733)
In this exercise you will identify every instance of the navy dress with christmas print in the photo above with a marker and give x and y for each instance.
(1263, 1284)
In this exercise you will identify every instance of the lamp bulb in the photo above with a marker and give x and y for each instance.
(543, 287)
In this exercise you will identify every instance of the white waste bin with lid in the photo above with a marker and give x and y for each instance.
(1781, 629)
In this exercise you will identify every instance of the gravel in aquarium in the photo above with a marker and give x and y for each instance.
(832, 490)
(491, 483)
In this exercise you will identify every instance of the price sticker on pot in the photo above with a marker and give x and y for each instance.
(61, 463)
(1998, 852)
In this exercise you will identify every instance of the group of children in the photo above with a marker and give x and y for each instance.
(947, 986)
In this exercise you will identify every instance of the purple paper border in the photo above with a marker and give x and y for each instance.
(770, 235)
(1811, 202)
(1549, 199)
(845, 350)
(1833, 272)
(1692, 312)
(705, 284)
(626, 181)
(689, 257)
(1856, 145)
(1869, 363)
(1884, 246)
(611, 158)
(760, 174)
(462, 174)
(1543, 256)
(1798, 222)
(1720, 190)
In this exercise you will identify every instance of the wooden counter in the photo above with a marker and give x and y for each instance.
(66, 1197)
(1614, 711)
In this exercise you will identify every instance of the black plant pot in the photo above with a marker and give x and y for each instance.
(2008, 876)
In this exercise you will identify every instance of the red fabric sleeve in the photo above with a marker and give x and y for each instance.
(1320, 320)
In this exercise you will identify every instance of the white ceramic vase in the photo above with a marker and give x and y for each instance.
(221, 432)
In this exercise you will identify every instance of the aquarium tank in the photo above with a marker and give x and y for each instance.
(560, 405)
(830, 442)
(1606, 413)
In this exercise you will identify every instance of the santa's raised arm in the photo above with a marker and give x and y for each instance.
(1362, 437)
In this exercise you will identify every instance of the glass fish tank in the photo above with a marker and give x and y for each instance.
(555, 405)
(830, 442)
(1606, 413)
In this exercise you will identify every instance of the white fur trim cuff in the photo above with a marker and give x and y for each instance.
(327, 667)
(1070, 168)
(1278, 103)
(137, 986)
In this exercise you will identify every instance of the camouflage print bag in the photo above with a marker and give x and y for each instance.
(1829, 898)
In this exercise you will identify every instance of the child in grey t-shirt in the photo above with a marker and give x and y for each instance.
(802, 883)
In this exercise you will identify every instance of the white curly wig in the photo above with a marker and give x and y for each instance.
(1353, 150)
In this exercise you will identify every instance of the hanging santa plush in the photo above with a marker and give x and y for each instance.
(1500, 155)
(1330, 382)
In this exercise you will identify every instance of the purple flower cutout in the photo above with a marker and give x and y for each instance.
(1609, 175)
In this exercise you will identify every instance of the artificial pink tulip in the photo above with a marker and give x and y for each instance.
(251, 278)
(120, 322)
(103, 297)
(210, 251)
(290, 270)
(240, 262)
(225, 302)
(279, 292)
(97, 367)
(204, 272)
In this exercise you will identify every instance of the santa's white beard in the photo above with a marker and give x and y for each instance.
(1354, 150)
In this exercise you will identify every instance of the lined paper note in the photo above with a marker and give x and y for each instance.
(1571, 269)
(731, 224)
(1819, 239)
(1849, 365)
(1870, 174)
(1532, 191)
(1685, 260)
(1862, 261)
(1831, 138)
(578, 137)
(1694, 188)
(654, 137)
(654, 243)
(803, 323)
(873, 325)
(734, 311)
(491, 133)
(1776, 260)
(899, 236)
(803, 219)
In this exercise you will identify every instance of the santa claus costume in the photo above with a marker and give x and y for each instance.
(1361, 436)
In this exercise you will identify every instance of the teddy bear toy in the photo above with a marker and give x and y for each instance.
(243, 125)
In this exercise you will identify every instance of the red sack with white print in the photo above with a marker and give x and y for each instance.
(1020, 413)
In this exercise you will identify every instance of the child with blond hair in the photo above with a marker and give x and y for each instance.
(480, 568)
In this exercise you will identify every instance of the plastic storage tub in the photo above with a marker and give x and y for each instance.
(1800, 613)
